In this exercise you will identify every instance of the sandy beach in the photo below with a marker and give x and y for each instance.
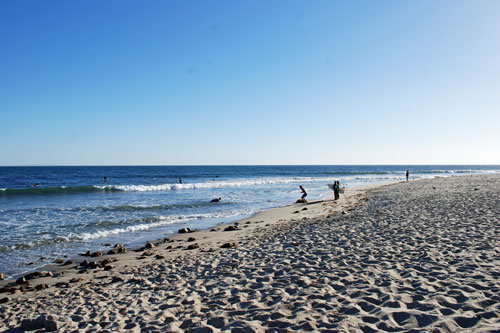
(410, 256)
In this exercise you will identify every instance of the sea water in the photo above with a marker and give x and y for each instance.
(54, 212)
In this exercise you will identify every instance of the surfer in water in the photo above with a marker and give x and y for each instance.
(304, 194)
(216, 200)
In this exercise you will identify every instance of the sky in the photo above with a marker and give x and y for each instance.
(249, 82)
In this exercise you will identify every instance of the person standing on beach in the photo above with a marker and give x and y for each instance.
(407, 175)
(336, 189)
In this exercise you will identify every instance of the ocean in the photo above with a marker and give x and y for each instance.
(52, 212)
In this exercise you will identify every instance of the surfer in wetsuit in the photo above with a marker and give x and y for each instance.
(216, 200)
(304, 194)
(336, 189)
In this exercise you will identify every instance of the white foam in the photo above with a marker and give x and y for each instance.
(163, 221)
(208, 185)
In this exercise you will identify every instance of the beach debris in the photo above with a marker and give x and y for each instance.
(149, 245)
(191, 239)
(59, 261)
(228, 245)
(232, 228)
(193, 246)
(186, 230)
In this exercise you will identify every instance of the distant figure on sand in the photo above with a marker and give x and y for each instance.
(216, 200)
(336, 189)
(407, 175)
(304, 194)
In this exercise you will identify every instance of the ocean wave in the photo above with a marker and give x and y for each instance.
(54, 190)
(206, 185)
(108, 228)
(124, 208)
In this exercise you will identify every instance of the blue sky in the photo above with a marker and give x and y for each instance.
(249, 82)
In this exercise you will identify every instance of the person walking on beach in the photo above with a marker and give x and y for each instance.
(336, 189)
(407, 175)
(304, 194)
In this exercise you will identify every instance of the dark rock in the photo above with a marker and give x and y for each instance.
(59, 261)
(69, 263)
(96, 254)
(191, 239)
(228, 245)
(21, 280)
(296, 212)
(116, 279)
(231, 228)
(91, 265)
(41, 286)
(87, 254)
(149, 245)
(105, 262)
(185, 230)
(37, 275)
(147, 253)
(61, 285)
(305, 208)
(4, 300)
(84, 263)
(107, 244)
(193, 246)
(108, 267)
(159, 256)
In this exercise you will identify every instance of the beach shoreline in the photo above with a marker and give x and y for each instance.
(318, 266)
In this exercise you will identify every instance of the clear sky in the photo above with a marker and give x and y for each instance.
(249, 82)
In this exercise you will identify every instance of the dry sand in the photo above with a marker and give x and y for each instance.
(416, 256)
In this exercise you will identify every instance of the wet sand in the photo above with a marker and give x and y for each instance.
(420, 255)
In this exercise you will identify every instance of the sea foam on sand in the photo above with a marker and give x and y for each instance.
(417, 255)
